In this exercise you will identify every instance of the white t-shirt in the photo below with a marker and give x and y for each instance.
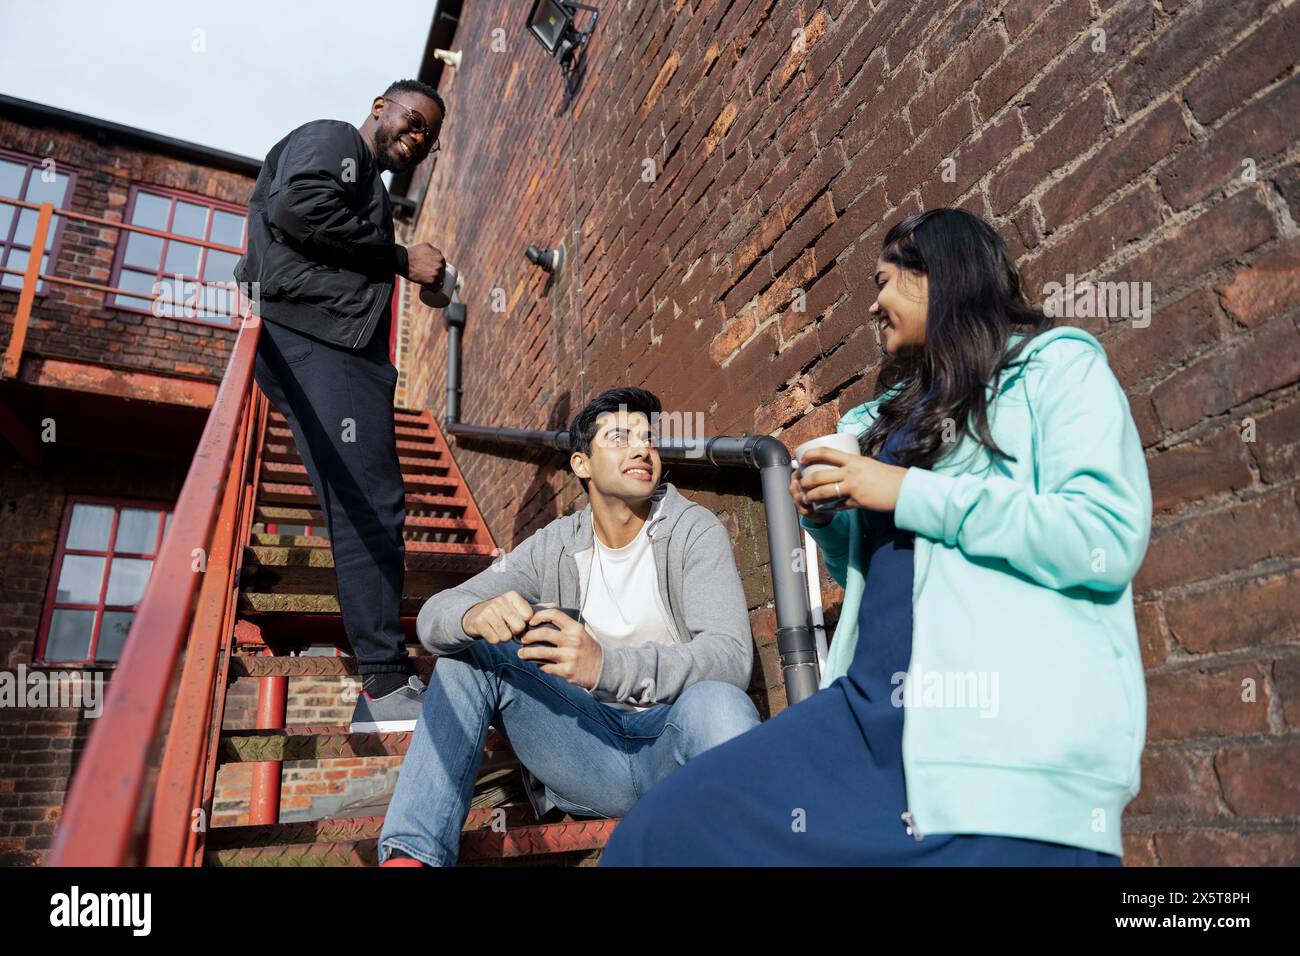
(621, 603)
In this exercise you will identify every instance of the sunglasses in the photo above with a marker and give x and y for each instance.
(416, 121)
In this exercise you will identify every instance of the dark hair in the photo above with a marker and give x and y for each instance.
(417, 86)
(975, 303)
(583, 430)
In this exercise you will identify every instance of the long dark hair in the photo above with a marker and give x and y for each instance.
(975, 304)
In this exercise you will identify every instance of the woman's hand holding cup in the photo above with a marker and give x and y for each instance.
(832, 478)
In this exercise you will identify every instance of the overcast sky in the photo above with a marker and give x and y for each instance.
(233, 74)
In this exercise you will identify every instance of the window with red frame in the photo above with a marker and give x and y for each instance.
(30, 179)
(106, 551)
(176, 278)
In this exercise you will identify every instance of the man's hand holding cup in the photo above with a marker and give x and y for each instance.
(425, 264)
(550, 636)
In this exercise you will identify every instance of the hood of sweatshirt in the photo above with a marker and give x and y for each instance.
(668, 506)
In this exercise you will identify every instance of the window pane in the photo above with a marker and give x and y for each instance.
(39, 191)
(127, 579)
(137, 530)
(6, 220)
(26, 230)
(11, 178)
(69, 635)
(220, 266)
(90, 527)
(112, 635)
(142, 250)
(190, 220)
(17, 260)
(227, 229)
(150, 211)
(182, 258)
(137, 282)
(79, 579)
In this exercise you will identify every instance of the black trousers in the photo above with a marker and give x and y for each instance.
(339, 405)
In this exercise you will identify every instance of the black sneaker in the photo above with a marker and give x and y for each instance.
(396, 711)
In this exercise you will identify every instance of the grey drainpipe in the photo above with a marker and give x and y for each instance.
(794, 635)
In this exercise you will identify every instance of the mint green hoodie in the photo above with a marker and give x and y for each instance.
(1021, 588)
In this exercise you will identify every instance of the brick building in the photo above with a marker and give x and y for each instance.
(101, 417)
(719, 175)
(719, 156)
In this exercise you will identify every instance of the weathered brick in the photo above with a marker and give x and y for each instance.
(1131, 152)
(1261, 781)
(1228, 617)
(1235, 149)
(1031, 50)
(1151, 638)
(1178, 330)
(1070, 137)
(1180, 49)
(1276, 445)
(1286, 678)
(1105, 45)
(1176, 785)
(1226, 846)
(1084, 247)
(1233, 537)
(1191, 472)
(1249, 66)
(1269, 286)
(1250, 365)
(1199, 702)
(1227, 229)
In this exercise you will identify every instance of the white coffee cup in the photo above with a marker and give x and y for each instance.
(440, 297)
(840, 441)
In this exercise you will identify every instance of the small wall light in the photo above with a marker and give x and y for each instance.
(552, 23)
(451, 58)
(548, 260)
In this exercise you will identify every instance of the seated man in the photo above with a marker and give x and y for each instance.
(599, 709)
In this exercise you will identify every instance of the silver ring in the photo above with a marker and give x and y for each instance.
(837, 490)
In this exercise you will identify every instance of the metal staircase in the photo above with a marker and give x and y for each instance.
(287, 597)
(263, 592)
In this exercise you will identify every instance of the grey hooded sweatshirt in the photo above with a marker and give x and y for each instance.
(699, 589)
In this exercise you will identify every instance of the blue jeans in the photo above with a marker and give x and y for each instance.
(595, 760)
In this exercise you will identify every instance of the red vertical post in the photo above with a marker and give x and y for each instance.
(264, 797)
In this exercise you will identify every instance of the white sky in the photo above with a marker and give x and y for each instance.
(267, 67)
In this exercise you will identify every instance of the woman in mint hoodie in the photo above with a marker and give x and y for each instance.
(983, 703)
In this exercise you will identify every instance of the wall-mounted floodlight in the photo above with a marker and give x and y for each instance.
(552, 23)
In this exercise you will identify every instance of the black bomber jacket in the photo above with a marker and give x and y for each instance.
(321, 256)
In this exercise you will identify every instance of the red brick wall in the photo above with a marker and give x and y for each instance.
(73, 323)
(1108, 139)
(39, 746)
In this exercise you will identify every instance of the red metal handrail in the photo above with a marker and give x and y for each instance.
(116, 813)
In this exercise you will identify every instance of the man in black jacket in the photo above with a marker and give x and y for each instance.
(321, 262)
